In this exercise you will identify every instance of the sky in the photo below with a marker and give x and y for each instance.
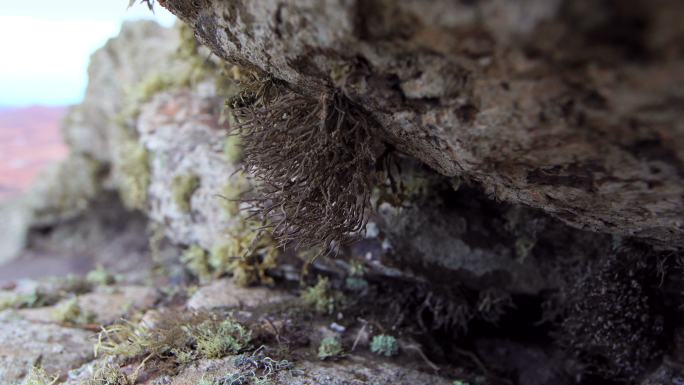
(46, 44)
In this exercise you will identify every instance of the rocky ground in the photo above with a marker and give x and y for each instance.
(469, 269)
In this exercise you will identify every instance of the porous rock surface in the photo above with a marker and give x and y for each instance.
(573, 107)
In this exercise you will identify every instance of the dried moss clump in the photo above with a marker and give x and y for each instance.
(330, 347)
(182, 188)
(314, 161)
(385, 345)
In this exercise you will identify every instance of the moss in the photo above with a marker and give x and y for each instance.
(232, 191)
(247, 254)
(232, 149)
(330, 347)
(321, 297)
(135, 175)
(38, 298)
(37, 376)
(385, 345)
(70, 312)
(217, 339)
(100, 276)
(197, 260)
(109, 375)
(182, 188)
(177, 340)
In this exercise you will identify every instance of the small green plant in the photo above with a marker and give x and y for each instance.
(182, 188)
(385, 345)
(321, 297)
(70, 312)
(330, 347)
(459, 382)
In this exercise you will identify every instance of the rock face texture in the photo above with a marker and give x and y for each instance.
(573, 107)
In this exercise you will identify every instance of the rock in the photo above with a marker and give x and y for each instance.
(318, 373)
(109, 304)
(57, 349)
(224, 293)
(537, 108)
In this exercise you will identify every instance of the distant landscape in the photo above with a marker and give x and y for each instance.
(30, 140)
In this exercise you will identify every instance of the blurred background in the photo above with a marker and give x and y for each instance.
(46, 48)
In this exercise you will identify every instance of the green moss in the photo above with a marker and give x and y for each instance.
(197, 260)
(100, 276)
(217, 339)
(385, 345)
(330, 347)
(232, 191)
(232, 149)
(37, 376)
(109, 375)
(182, 188)
(70, 312)
(245, 253)
(37, 298)
(321, 297)
(178, 339)
(135, 175)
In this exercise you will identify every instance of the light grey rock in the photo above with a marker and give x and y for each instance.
(57, 349)
(224, 293)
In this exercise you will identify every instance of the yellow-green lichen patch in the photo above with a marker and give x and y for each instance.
(232, 149)
(110, 375)
(135, 175)
(182, 188)
(322, 297)
(197, 260)
(37, 376)
(232, 191)
(70, 312)
(100, 276)
(247, 254)
(177, 339)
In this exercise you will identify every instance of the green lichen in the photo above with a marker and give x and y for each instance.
(37, 298)
(135, 175)
(232, 191)
(330, 347)
(37, 376)
(217, 339)
(100, 276)
(182, 188)
(197, 260)
(321, 297)
(178, 339)
(110, 375)
(70, 312)
(245, 253)
(385, 345)
(232, 149)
